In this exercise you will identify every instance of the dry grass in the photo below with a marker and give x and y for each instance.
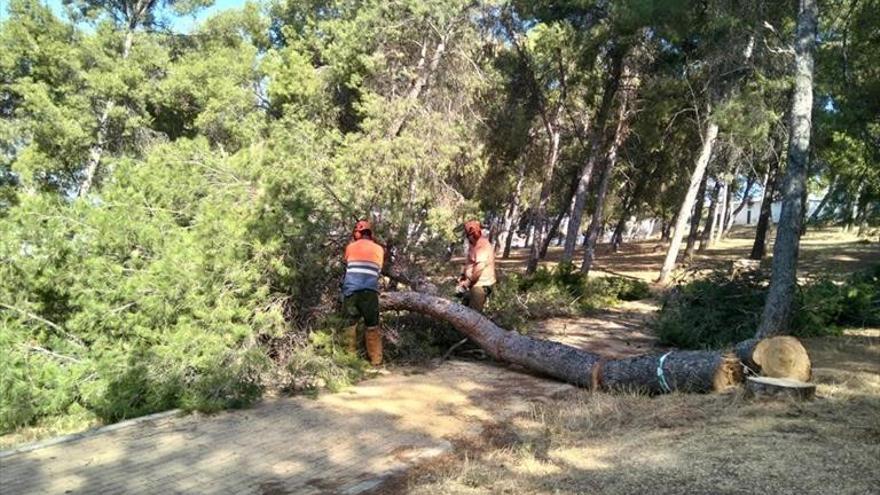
(828, 252)
(603, 443)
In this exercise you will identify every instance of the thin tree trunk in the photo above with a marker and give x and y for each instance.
(818, 211)
(617, 236)
(631, 77)
(759, 247)
(721, 221)
(540, 221)
(709, 136)
(783, 282)
(665, 229)
(512, 212)
(695, 218)
(96, 151)
(747, 197)
(706, 238)
(597, 141)
(419, 84)
(554, 228)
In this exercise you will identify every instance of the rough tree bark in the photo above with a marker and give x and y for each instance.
(686, 371)
(631, 81)
(747, 197)
(723, 200)
(696, 216)
(554, 228)
(759, 247)
(540, 222)
(709, 135)
(706, 238)
(780, 295)
(597, 141)
(512, 213)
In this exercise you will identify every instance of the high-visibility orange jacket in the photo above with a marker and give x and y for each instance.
(481, 256)
(363, 264)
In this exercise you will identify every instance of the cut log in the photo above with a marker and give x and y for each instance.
(776, 357)
(766, 387)
(686, 371)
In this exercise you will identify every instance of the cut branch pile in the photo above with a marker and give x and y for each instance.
(685, 371)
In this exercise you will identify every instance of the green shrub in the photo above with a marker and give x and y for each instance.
(710, 312)
(561, 291)
(719, 310)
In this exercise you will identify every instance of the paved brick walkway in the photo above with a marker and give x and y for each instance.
(340, 443)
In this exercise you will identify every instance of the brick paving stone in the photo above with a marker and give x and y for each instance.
(339, 443)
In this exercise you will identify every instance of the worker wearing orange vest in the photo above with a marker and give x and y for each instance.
(360, 288)
(478, 277)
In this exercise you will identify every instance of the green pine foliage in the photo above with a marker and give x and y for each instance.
(719, 310)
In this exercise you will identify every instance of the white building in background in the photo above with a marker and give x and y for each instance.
(752, 211)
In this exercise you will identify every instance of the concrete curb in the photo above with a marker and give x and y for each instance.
(88, 433)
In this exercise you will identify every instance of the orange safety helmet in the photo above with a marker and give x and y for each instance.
(360, 227)
(473, 228)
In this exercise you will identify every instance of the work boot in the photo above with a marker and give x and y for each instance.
(373, 336)
(349, 338)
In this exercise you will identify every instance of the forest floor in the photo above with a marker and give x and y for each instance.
(476, 427)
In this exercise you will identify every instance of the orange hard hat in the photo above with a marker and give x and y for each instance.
(360, 227)
(473, 228)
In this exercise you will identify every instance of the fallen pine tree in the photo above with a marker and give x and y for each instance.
(685, 371)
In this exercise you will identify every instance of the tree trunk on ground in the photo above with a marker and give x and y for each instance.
(695, 218)
(597, 142)
(709, 135)
(706, 238)
(759, 247)
(783, 281)
(747, 197)
(685, 371)
(540, 222)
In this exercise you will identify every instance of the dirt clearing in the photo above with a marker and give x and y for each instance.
(602, 443)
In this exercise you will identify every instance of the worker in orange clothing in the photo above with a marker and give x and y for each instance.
(360, 288)
(478, 277)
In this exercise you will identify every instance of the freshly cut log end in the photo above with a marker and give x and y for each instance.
(766, 387)
(777, 357)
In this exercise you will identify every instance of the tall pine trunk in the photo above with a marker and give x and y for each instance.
(783, 282)
(505, 239)
(759, 247)
(597, 141)
(706, 238)
(817, 213)
(630, 77)
(710, 133)
(540, 222)
(695, 218)
(747, 197)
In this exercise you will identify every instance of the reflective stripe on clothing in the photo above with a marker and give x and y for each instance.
(363, 260)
